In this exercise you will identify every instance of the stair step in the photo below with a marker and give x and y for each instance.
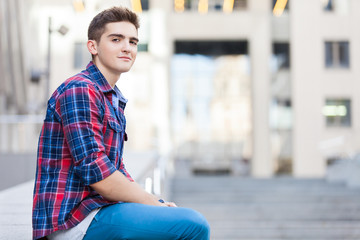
(277, 208)
(335, 234)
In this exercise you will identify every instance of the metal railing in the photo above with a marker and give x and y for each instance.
(19, 135)
(154, 177)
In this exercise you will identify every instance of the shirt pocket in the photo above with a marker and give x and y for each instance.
(114, 125)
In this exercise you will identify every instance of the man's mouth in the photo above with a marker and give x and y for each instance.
(125, 58)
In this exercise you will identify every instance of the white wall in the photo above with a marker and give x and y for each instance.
(313, 83)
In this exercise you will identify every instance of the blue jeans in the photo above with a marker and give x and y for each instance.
(139, 221)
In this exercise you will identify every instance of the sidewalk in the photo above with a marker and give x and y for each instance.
(16, 202)
(15, 212)
(237, 208)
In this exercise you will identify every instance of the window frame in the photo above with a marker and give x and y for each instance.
(337, 54)
(338, 121)
(213, 5)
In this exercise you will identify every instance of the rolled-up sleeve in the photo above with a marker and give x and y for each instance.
(82, 112)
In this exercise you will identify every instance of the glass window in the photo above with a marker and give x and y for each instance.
(281, 52)
(240, 4)
(281, 114)
(337, 112)
(282, 1)
(187, 4)
(212, 48)
(145, 5)
(143, 47)
(140, 5)
(344, 54)
(328, 5)
(209, 5)
(337, 54)
(336, 6)
(211, 110)
(279, 7)
(329, 54)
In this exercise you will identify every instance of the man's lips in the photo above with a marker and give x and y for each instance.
(125, 58)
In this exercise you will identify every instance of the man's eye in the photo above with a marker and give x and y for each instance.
(133, 42)
(115, 40)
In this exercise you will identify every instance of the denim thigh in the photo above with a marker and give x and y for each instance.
(139, 221)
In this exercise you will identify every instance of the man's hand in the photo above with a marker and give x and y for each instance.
(170, 204)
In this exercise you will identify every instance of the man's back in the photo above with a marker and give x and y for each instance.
(79, 145)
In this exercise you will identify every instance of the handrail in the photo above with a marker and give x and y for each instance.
(11, 119)
(19, 133)
(152, 177)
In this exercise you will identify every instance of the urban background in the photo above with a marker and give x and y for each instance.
(257, 88)
(245, 110)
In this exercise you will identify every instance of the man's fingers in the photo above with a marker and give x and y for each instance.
(170, 204)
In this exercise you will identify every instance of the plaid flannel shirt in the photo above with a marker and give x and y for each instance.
(81, 143)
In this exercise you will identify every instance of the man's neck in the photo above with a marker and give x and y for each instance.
(110, 77)
(112, 80)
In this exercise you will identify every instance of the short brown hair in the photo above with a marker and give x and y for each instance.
(114, 14)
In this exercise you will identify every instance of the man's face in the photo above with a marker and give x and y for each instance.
(116, 51)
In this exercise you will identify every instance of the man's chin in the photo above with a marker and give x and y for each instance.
(124, 70)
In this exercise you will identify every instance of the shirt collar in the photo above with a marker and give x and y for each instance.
(104, 85)
(119, 95)
(119, 98)
(98, 77)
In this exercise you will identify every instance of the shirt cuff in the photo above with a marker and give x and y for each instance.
(94, 168)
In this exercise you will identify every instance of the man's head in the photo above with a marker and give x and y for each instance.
(115, 14)
(113, 39)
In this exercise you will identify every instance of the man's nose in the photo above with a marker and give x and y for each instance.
(126, 46)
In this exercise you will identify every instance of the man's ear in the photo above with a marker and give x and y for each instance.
(92, 47)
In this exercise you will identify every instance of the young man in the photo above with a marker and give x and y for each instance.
(82, 189)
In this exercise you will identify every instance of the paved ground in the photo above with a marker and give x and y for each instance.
(16, 168)
(279, 208)
(15, 212)
(16, 202)
(236, 208)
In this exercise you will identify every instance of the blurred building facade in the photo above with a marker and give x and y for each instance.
(261, 86)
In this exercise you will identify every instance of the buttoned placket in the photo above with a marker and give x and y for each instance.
(119, 103)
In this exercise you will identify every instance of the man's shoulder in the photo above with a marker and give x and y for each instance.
(80, 80)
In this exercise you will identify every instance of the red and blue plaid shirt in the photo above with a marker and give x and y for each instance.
(81, 143)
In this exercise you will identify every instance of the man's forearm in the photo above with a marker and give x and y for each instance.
(117, 187)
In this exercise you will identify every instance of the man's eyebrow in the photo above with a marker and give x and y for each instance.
(122, 36)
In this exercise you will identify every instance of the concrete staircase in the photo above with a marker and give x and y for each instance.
(278, 208)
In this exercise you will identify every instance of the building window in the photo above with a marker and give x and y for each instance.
(140, 5)
(212, 48)
(145, 5)
(81, 55)
(336, 6)
(337, 54)
(279, 6)
(337, 112)
(240, 4)
(204, 6)
(143, 47)
(281, 53)
(281, 2)
(328, 5)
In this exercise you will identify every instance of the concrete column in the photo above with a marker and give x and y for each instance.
(159, 49)
(260, 52)
(307, 64)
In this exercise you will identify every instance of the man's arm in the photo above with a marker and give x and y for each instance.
(80, 109)
(117, 187)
